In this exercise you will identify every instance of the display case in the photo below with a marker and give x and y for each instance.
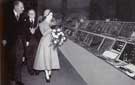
(128, 54)
(112, 39)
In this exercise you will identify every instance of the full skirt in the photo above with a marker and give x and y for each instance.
(46, 56)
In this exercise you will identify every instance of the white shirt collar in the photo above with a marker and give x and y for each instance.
(15, 13)
(32, 19)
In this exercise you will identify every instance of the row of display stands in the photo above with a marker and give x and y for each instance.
(110, 41)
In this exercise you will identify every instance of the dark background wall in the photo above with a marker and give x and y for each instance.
(3, 70)
(78, 3)
(57, 3)
(80, 7)
(102, 9)
(124, 9)
(96, 9)
(43, 4)
(71, 5)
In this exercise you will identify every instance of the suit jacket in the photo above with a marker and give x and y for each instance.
(13, 28)
(34, 25)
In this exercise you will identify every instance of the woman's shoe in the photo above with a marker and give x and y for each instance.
(49, 72)
(47, 77)
(31, 72)
(48, 81)
(37, 72)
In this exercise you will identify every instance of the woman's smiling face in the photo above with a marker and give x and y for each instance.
(46, 12)
(50, 16)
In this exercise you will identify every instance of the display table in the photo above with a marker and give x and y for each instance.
(93, 69)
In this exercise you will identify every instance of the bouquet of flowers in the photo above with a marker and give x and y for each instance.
(58, 37)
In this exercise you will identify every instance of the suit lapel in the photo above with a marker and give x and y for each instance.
(34, 23)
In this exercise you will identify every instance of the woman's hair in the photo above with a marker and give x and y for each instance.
(47, 11)
(43, 18)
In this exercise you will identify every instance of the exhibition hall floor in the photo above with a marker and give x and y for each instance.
(80, 67)
(67, 75)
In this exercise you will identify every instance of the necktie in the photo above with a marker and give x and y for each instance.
(17, 17)
(32, 23)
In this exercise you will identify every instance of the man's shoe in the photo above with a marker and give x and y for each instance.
(19, 83)
(37, 72)
(31, 72)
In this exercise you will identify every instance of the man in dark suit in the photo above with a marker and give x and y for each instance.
(32, 40)
(13, 41)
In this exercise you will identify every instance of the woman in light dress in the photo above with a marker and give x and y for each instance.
(46, 57)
